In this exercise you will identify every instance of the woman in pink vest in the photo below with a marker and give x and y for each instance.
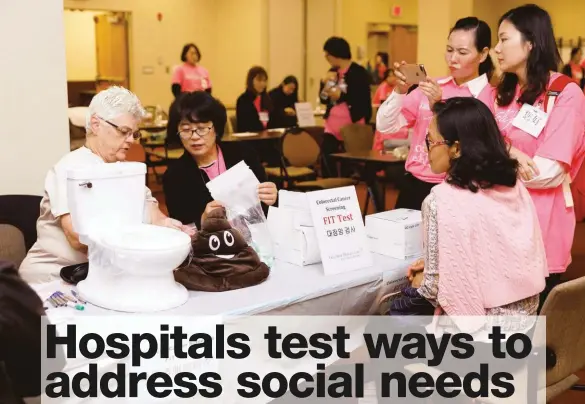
(483, 248)
(467, 56)
(548, 143)
(190, 76)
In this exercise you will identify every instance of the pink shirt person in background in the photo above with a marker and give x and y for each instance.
(190, 76)
(550, 154)
(467, 56)
(339, 116)
(382, 93)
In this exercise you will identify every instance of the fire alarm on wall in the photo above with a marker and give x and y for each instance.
(396, 11)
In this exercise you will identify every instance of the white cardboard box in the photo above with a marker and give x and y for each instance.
(396, 233)
(294, 243)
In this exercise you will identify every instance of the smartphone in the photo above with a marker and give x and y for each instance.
(414, 73)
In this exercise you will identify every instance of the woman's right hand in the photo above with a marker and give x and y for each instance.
(527, 167)
(415, 267)
(401, 84)
(210, 206)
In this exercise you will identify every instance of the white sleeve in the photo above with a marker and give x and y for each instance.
(552, 174)
(56, 187)
(389, 118)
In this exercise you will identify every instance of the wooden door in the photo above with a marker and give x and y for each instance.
(111, 38)
(403, 44)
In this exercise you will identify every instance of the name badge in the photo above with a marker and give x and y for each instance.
(263, 116)
(531, 120)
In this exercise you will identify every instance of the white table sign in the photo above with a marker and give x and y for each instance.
(340, 230)
(305, 115)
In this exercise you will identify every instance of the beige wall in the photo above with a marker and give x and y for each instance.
(241, 37)
(80, 45)
(286, 41)
(33, 104)
(357, 14)
(567, 15)
(320, 26)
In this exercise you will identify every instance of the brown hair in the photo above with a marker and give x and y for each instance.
(252, 74)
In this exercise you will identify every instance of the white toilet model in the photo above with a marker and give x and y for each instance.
(130, 263)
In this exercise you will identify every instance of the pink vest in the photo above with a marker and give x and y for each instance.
(491, 251)
(563, 140)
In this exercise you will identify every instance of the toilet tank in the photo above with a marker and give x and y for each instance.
(106, 195)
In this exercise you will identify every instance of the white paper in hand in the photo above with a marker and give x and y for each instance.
(237, 190)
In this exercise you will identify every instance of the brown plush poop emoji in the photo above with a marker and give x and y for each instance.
(222, 260)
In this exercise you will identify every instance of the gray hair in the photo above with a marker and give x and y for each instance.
(113, 102)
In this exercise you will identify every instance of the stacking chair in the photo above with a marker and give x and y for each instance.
(358, 137)
(302, 153)
(564, 309)
(18, 231)
(233, 124)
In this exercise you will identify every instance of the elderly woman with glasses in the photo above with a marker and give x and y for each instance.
(111, 128)
(201, 121)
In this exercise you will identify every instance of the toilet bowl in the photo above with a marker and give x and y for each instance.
(131, 263)
(131, 269)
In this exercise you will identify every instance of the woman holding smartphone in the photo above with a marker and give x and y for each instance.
(467, 56)
(551, 148)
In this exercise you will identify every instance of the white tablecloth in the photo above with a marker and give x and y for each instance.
(290, 290)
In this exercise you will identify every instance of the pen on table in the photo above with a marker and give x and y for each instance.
(59, 300)
(52, 301)
(76, 295)
(67, 297)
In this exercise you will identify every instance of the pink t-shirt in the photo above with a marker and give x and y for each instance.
(339, 115)
(563, 140)
(262, 114)
(382, 92)
(416, 110)
(217, 167)
(191, 78)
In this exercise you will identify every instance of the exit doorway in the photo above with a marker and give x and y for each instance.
(399, 41)
(97, 52)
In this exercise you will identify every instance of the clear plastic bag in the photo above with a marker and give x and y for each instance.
(237, 190)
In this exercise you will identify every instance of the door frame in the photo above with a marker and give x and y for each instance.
(128, 22)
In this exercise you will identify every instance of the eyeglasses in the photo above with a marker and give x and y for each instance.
(187, 133)
(123, 130)
(430, 143)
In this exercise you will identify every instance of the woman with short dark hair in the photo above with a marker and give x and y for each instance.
(283, 98)
(254, 107)
(549, 143)
(190, 76)
(201, 121)
(483, 249)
